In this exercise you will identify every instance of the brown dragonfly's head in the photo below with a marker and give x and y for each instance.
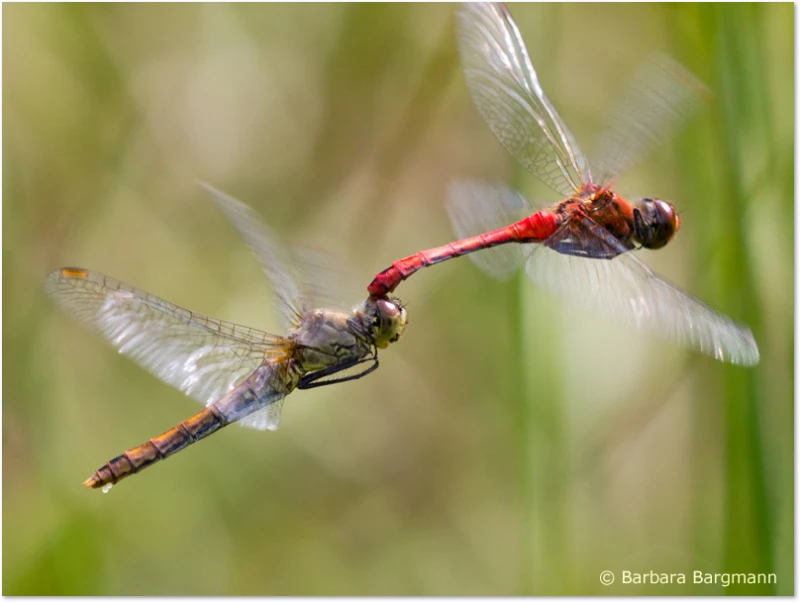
(655, 223)
(389, 321)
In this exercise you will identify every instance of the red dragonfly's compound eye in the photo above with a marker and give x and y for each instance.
(660, 223)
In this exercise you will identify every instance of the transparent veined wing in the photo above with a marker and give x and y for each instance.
(269, 254)
(324, 280)
(626, 290)
(201, 356)
(301, 278)
(661, 96)
(476, 207)
(582, 237)
(268, 418)
(507, 93)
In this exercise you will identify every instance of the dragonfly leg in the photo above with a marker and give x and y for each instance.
(309, 381)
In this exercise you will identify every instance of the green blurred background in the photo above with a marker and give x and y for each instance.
(508, 444)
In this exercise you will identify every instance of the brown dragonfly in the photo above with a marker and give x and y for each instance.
(241, 374)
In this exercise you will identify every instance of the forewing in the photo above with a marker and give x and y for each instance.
(201, 356)
(626, 290)
(507, 93)
(477, 207)
(302, 278)
(323, 280)
(273, 259)
(661, 96)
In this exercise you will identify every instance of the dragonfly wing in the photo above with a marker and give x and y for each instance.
(267, 418)
(625, 289)
(477, 207)
(661, 96)
(507, 93)
(324, 280)
(302, 278)
(274, 261)
(201, 356)
(585, 238)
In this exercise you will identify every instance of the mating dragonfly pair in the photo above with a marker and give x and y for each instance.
(583, 252)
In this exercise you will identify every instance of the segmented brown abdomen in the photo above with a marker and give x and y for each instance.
(199, 426)
(269, 383)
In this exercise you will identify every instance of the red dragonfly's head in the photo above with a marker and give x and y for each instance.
(656, 223)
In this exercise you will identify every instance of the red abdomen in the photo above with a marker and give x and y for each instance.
(534, 228)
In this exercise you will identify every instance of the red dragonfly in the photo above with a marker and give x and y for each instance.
(584, 241)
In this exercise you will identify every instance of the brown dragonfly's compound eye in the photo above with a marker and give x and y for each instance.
(390, 321)
(387, 308)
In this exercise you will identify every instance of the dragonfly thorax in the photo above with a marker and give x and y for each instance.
(655, 223)
(325, 337)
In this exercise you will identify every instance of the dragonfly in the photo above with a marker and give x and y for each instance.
(241, 374)
(584, 243)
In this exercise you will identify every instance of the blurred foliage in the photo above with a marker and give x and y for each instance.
(507, 444)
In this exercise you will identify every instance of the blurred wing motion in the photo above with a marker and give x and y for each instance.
(271, 256)
(301, 278)
(626, 290)
(661, 96)
(622, 288)
(240, 373)
(585, 240)
(507, 93)
(201, 356)
(324, 279)
(475, 207)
